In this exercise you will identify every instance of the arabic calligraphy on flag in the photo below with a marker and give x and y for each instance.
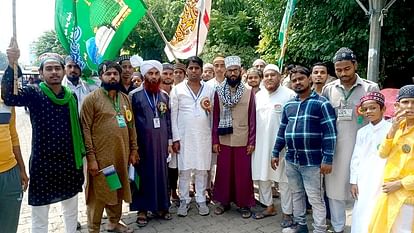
(94, 30)
(184, 42)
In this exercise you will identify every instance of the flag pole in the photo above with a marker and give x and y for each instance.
(198, 30)
(157, 26)
(15, 68)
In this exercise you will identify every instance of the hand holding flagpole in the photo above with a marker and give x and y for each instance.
(14, 44)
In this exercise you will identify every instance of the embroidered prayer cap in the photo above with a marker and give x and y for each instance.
(208, 66)
(219, 58)
(106, 65)
(406, 92)
(344, 54)
(255, 71)
(69, 59)
(271, 67)
(259, 61)
(376, 96)
(149, 64)
(232, 61)
(123, 58)
(167, 66)
(180, 66)
(45, 57)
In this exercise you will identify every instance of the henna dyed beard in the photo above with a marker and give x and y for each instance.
(152, 87)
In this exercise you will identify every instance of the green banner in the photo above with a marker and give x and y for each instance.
(284, 27)
(92, 31)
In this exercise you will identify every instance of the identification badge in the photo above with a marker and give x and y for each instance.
(406, 148)
(345, 114)
(278, 108)
(157, 123)
(121, 121)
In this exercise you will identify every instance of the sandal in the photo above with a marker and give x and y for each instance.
(245, 212)
(220, 209)
(142, 220)
(287, 221)
(164, 215)
(264, 214)
(120, 228)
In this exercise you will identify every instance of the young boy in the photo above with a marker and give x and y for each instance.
(394, 211)
(366, 166)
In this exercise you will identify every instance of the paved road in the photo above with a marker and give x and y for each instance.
(227, 223)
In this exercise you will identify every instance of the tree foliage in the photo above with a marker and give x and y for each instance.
(3, 61)
(47, 43)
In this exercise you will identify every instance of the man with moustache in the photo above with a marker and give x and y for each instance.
(57, 144)
(308, 131)
(192, 141)
(208, 72)
(74, 81)
(108, 110)
(153, 125)
(126, 77)
(234, 139)
(269, 106)
(167, 77)
(319, 76)
(344, 95)
(259, 64)
(179, 73)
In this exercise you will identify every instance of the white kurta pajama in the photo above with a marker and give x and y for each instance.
(269, 108)
(367, 171)
(191, 125)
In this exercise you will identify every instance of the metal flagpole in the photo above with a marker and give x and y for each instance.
(198, 28)
(14, 43)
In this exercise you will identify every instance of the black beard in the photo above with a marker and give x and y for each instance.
(111, 86)
(233, 82)
(73, 79)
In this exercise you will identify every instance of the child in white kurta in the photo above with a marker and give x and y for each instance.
(366, 165)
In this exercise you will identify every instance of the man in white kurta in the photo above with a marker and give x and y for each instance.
(367, 167)
(269, 106)
(191, 129)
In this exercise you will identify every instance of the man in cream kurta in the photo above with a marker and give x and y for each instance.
(344, 95)
(192, 134)
(269, 106)
(367, 167)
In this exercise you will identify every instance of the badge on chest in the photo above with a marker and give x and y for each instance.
(157, 123)
(121, 121)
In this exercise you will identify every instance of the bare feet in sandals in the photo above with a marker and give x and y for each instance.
(142, 219)
(119, 228)
(269, 211)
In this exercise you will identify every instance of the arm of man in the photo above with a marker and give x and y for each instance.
(174, 104)
(252, 124)
(216, 120)
(328, 126)
(280, 140)
(16, 150)
(132, 132)
(87, 119)
(7, 84)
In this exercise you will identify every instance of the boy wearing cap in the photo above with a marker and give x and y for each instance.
(366, 166)
(394, 211)
(57, 144)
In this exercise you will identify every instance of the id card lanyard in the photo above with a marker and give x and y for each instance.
(117, 107)
(156, 119)
(346, 97)
(195, 97)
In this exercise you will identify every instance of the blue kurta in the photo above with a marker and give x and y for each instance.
(52, 169)
(153, 152)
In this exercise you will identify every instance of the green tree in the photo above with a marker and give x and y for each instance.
(47, 43)
(3, 61)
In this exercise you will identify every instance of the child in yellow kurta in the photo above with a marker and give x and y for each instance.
(394, 212)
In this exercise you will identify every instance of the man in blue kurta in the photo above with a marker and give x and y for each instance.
(57, 144)
(153, 125)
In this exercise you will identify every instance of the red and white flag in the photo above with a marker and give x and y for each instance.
(184, 42)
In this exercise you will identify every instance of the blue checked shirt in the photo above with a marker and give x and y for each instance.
(308, 129)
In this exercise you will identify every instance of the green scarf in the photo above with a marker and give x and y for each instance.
(78, 146)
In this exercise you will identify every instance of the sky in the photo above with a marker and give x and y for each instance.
(33, 18)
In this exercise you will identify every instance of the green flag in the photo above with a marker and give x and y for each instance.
(93, 31)
(284, 26)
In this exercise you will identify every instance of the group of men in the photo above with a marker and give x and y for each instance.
(200, 120)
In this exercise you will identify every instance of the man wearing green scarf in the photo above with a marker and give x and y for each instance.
(57, 143)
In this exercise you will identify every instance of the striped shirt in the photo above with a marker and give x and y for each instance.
(308, 129)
